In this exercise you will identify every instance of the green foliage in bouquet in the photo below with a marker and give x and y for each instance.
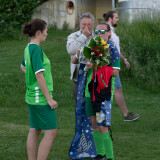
(97, 51)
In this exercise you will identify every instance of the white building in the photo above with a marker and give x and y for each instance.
(131, 9)
(60, 11)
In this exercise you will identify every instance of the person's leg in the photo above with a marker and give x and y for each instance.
(104, 122)
(46, 143)
(128, 116)
(98, 141)
(32, 143)
(119, 96)
(96, 134)
(120, 101)
(107, 142)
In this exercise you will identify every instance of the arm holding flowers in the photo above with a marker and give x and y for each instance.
(99, 55)
(92, 66)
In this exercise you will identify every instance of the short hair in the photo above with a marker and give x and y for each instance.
(108, 15)
(105, 24)
(87, 15)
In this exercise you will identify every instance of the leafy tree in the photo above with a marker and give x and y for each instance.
(14, 13)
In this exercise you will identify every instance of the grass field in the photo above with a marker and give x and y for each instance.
(137, 140)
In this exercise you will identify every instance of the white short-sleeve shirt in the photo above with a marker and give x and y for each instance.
(115, 39)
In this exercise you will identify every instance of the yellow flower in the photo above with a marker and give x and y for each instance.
(104, 44)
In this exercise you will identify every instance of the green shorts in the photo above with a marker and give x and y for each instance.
(89, 108)
(42, 117)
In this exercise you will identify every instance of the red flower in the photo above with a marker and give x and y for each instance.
(97, 52)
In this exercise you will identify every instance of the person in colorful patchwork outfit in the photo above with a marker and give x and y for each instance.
(41, 106)
(101, 119)
(82, 145)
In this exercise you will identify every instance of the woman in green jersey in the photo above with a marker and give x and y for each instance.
(41, 106)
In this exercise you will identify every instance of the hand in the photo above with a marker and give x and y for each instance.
(75, 58)
(86, 31)
(78, 52)
(53, 104)
(90, 65)
(127, 64)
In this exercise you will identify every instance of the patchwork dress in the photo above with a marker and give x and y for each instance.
(82, 145)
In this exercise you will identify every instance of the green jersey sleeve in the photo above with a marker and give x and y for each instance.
(23, 63)
(36, 54)
(116, 64)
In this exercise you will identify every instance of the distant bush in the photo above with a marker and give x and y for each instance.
(140, 45)
(14, 13)
(54, 26)
(65, 26)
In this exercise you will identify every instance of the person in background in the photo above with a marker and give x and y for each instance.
(75, 41)
(41, 106)
(111, 18)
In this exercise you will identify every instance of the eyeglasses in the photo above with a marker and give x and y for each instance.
(89, 25)
(102, 31)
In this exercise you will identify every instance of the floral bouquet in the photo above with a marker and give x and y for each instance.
(97, 52)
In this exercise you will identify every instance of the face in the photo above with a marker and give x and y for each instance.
(86, 22)
(42, 35)
(104, 36)
(115, 20)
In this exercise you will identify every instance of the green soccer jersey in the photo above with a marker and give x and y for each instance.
(36, 61)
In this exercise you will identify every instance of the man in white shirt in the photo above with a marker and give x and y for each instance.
(76, 40)
(111, 17)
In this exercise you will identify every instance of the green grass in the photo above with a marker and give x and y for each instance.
(132, 140)
(140, 45)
